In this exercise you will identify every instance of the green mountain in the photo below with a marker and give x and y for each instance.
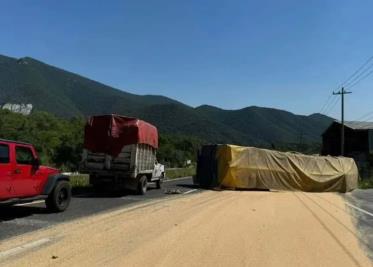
(270, 125)
(66, 94)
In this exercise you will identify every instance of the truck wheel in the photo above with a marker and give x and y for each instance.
(142, 186)
(59, 199)
(160, 181)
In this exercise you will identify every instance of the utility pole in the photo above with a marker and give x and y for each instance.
(342, 93)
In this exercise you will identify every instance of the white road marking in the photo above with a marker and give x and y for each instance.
(23, 248)
(31, 203)
(177, 179)
(190, 191)
(360, 209)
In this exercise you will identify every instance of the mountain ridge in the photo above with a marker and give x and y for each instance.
(66, 94)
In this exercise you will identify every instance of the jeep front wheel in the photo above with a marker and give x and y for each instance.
(59, 199)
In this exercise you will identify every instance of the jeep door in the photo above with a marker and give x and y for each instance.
(25, 173)
(5, 172)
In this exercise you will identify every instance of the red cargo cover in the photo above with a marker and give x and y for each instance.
(110, 133)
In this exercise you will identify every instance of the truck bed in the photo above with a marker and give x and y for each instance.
(133, 158)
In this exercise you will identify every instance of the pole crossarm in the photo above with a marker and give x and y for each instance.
(344, 92)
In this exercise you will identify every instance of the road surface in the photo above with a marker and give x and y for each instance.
(228, 228)
(25, 218)
(360, 203)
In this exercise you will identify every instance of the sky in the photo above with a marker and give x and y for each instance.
(287, 54)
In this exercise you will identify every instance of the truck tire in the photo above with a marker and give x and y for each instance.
(59, 199)
(142, 186)
(159, 182)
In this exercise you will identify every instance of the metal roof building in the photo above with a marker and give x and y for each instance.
(358, 140)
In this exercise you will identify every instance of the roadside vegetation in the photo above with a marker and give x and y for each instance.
(60, 144)
(366, 184)
(180, 172)
(60, 141)
(79, 181)
(366, 175)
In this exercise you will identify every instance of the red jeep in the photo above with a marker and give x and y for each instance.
(23, 180)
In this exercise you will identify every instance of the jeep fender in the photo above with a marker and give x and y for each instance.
(52, 181)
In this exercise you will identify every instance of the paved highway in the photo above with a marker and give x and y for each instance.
(336, 227)
(361, 205)
(25, 218)
(212, 228)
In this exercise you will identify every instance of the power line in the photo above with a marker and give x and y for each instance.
(357, 77)
(326, 104)
(364, 71)
(344, 84)
(363, 78)
(331, 106)
(352, 79)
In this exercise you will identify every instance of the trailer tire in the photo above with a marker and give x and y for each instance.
(143, 185)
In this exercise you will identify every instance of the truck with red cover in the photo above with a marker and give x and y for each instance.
(121, 151)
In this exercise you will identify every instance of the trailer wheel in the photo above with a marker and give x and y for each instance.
(160, 181)
(142, 186)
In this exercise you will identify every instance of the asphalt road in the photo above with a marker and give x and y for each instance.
(361, 205)
(212, 228)
(25, 218)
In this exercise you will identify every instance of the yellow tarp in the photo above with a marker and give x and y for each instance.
(254, 168)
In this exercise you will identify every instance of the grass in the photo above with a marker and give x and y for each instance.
(79, 181)
(366, 183)
(180, 172)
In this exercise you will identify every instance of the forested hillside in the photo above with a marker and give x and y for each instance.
(68, 95)
(60, 141)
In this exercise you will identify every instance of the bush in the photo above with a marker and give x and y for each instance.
(366, 183)
(180, 172)
(59, 142)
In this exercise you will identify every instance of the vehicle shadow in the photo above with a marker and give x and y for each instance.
(195, 186)
(9, 213)
(90, 192)
(189, 186)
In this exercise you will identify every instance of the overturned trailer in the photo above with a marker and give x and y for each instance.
(235, 167)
